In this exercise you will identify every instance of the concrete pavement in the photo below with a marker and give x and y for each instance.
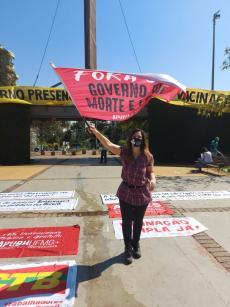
(178, 272)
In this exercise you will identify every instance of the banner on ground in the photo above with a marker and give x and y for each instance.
(190, 195)
(51, 284)
(37, 195)
(169, 196)
(38, 205)
(108, 199)
(164, 227)
(154, 208)
(35, 95)
(39, 241)
(115, 96)
(205, 100)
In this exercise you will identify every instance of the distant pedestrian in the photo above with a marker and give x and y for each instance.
(205, 158)
(134, 192)
(214, 148)
(103, 155)
(214, 144)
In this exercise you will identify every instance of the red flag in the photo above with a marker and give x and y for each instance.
(115, 96)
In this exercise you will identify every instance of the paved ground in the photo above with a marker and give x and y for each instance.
(178, 272)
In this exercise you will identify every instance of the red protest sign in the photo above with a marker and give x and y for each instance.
(39, 241)
(158, 208)
(40, 276)
(45, 284)
(115, 96)
(154, 208)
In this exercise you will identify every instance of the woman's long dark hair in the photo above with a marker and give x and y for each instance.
(144, 145)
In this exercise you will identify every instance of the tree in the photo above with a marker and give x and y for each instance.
(8, 75)
(49, 133)
(226, 63)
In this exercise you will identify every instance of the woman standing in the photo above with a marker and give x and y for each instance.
(134, 192)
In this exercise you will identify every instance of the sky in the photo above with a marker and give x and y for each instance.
(173, 37)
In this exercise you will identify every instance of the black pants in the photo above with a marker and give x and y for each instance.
(103, 156)
(131, 215)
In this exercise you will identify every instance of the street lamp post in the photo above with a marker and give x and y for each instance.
(215, 16)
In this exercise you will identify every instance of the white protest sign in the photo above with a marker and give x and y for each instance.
(164, 227)
(38, 205)
(50, 284)
(109, 199)
(190, 195)
(180, 195)
(37, 195)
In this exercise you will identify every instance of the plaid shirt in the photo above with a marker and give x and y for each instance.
(135, 187)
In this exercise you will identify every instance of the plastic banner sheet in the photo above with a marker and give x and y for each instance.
(108, 199)
(190, 195)
(50, 284)
(204, 100)
(113, 95)
(35, 95)
(164, 227)
(37, 195)
(154, 208)
(39, 241)
(174, 195)
(38, 205)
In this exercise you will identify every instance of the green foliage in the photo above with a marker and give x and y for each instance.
(122, 142)
(226, 63)
(8, 75)
(48, 133)
(128, 126)
(55, 133)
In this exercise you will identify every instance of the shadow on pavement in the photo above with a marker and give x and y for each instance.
(88, 272)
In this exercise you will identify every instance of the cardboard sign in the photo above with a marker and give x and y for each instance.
(39, 241)
(38, 205)
(164, 227)
(37, 285)
(154, 208)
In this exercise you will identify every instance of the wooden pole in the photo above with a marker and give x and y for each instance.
(90, 34)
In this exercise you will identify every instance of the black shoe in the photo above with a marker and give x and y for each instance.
(128, 256)
(136, 251)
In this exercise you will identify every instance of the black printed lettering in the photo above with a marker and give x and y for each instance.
(121, 105)
(131, 106)
(38, 94)
(59, 95)
(101, 103)
(92, 89)
(20, 94)
(3, 94)
(108, 104)
(100, 89)
(52, 95)
(117, 89)
(30, 94)
(143, 91)
(124, 89)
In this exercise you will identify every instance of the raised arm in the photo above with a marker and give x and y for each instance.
(115, 149)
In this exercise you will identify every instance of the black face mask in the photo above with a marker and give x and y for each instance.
(136, 142)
